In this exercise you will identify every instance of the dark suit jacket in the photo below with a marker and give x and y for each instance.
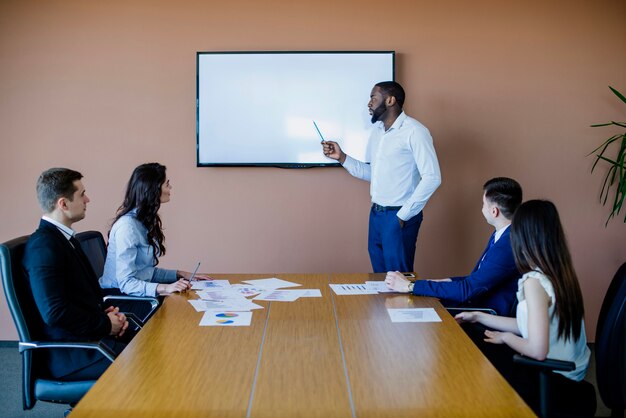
(492, 283)
(68, 297)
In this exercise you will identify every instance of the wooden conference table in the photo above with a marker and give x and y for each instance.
(334, 356)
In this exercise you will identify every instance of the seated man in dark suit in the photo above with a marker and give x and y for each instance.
(493, 282)
(64, 286)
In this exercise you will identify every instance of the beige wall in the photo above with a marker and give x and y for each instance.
(507, 88)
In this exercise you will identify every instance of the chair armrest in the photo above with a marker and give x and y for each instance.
(130, 311)
(454, 311)
(154, 302)
(547, 364)
(134, 319)
(103, 349)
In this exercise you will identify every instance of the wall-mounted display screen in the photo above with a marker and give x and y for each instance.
(258, 108)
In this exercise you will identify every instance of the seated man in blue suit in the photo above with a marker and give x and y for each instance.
(493, 282)
(64, 286)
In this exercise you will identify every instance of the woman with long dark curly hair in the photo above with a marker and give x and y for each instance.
(136, 239)
(549, 319)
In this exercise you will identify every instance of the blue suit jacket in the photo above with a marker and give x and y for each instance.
(68, 297)
(492, 283)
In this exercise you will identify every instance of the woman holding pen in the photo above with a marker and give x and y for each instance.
(136, 240)
(549, 319)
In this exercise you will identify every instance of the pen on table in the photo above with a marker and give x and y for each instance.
(318, 131)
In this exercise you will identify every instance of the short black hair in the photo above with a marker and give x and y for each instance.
(55, 183)
(392, 88)
(506, 193)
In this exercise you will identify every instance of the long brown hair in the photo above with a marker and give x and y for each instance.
(538, 242)
(143, 193)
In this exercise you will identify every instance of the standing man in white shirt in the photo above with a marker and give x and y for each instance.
(404, 173)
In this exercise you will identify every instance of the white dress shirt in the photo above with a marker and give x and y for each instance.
(404, 170)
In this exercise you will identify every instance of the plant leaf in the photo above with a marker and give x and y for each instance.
(598, 125)
(606, 185)
(605, 144)
(618, 94)
(616, 173)
(615, 163)
(620, 192)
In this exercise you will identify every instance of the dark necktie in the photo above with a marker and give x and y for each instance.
(492, 240)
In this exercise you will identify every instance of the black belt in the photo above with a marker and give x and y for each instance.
(379, 208)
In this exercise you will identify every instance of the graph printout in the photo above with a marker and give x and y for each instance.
(413, 315)
(226, 319)
(353, 289)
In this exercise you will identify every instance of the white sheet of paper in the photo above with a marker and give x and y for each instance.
(271, 283)
(311, 293)
(230, 295)
(205, 305)
(352, 289)
(209, 284)
(380, 287)
(413, 315)
(247, 290)
(276, 295)
(226, 319)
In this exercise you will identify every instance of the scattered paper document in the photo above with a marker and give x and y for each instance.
(247, 290)
(220, 294)
(352, 289)
(204, 305)
(209, 284)
(272, 283)
(380, 287)
(276, 295)
(311, 293)
(226, 319)
(413, 315)
(227, 299)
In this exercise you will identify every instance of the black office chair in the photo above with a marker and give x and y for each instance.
(610, 348)
(456, 311)
(610, 353)
(94, 247)
(36, 383)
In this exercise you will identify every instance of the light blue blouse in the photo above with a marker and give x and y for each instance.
(129, 265)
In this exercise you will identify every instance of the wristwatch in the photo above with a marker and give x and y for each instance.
(411, 286)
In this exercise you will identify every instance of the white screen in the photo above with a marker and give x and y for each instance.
(259, 108)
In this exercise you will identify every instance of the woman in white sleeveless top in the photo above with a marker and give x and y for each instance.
(549, 318)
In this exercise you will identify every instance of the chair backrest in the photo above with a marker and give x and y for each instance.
(23, 309)
(17, 290)
(610, 345)
(93, 245)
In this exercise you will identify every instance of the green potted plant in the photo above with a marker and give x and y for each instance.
(616, 176)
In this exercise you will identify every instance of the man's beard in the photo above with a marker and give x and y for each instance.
(378, 112)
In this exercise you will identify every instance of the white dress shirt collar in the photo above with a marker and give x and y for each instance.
(499, 233)
(67, 232)
(396, 123)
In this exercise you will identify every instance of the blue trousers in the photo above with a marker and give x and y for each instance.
(391, 247)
